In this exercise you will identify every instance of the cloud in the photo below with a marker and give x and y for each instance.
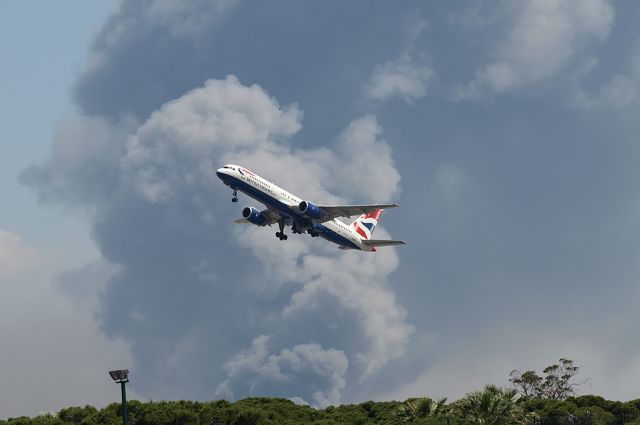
(620, 90)
(136, 35)
(186, 19)
(478, 16)
(80, 167)
(355, 286)
(148, 53)
(222, 116)
(398, 78)
(188, 289)
(330, 285)
(321, 370)
(129, 21)
(371, 165)
(545, 39)
(401, 77)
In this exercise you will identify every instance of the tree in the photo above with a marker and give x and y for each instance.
(248, 416)
(491, 406)
(415, 408)
(46, 419)
(528, 384)
(76, 415)
(556, 383)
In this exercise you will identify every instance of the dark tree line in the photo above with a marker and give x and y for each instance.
(534, 400)
(491, 405)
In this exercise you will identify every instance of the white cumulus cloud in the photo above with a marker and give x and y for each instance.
(357, 284)
(162, 218)
(179, 141)
(403, 77)
(399, 78)
(180, 144)
(545, 38)
(323, 369)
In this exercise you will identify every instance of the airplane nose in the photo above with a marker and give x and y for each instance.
(220, 173)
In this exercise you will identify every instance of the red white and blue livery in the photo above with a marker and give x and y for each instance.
(286, 209)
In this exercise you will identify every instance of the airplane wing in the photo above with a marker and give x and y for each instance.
(272, 217)
(382, 242)
(335, 211)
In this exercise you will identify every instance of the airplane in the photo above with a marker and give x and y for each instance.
(303, 216)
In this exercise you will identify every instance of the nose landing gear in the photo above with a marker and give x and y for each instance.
(235, 195)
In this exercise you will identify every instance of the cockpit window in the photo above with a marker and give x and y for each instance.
(228, 167)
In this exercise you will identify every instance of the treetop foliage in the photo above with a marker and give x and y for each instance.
(490, 406)
(534, 400)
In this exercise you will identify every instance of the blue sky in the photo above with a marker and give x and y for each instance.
(507, 133)
(43, 53)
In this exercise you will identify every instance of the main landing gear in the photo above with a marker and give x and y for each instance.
(314, 233)
(280, 235)
(235, 195)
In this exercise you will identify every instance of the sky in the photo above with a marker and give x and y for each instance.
(506, 132)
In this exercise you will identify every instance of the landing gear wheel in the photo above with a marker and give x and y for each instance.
(235, 195)
(280, 235)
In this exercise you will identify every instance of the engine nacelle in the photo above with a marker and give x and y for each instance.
(253, 216)
(310, 210)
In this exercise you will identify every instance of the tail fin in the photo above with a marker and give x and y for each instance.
(366, 223)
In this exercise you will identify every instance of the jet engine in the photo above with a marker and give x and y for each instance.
(310, 210)
(253, 216)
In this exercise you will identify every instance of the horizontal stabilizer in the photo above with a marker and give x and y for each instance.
(382, 242)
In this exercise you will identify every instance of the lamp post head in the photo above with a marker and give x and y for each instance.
(119, 375)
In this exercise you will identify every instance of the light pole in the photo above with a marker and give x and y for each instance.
(122, 377)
